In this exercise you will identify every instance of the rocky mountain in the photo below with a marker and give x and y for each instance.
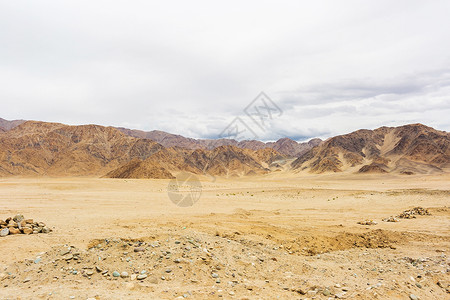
(228, 161)
(284, 146)
(407, 149)
(6, 125)
(40, 148)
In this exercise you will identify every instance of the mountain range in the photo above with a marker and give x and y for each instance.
(34, 148)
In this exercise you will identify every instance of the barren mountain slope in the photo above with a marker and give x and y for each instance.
(406, 149)
(222, 161)
(284, 146)
(6, 125)
(39, 148)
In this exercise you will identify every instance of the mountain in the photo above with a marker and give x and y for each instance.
(229, 161)
(407, 149)
(40, 148)
(284, 146)
(6, 125)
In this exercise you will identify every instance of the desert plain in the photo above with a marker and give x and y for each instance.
(277, 236)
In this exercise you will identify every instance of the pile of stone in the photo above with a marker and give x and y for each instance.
(391, 219)
(367, 222)
(19, 225)
(412, 213)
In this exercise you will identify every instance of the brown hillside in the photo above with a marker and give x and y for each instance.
(222, 161)
(39, 148)
(411, 148)
(284, 146)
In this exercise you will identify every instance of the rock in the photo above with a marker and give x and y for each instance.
(116, 274)
(18, 218)
(4, 232)
(340, 295)
(68, 257)
(89, 272)
(27, 230)
(3, 223)
(133, 276)
(139, 249)
(98, 269)
(326, 292)
(13, 230)
(154, 280)
(12, 224)
(26, 280)
(300, 291)
(367, 222)
(168, 271)
(124, 275)
(28, 221)
(413, 297)
(64, 251)
(37, 260)
(141, 276)
(215, 275)
(45, 229)
(442, 284)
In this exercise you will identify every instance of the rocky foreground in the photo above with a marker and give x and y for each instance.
(187, 264)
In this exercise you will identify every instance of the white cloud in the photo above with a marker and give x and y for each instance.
(191, 67)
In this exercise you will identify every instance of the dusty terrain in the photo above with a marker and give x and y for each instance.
(262, 237)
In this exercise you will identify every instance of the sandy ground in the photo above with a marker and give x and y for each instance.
(279, 236)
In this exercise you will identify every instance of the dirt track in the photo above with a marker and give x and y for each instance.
(263, 237)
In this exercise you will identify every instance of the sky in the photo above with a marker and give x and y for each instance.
(195, 67)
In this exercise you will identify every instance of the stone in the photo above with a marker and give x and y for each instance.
(168, 271)
(98, 269)
(139, 249)
(124, 274)
(133, 276)
(413, 297)
(27, 230)
(154, 280)
(12, 224)
(26, 280)
(89, 272)
(37, 260)
(45, 229)
(4, 232)
(116, 274)
(18, 218)
(215, 275)
(68, 257)
(326, 292)
(141, 276)
(64, 251)
(13, 230)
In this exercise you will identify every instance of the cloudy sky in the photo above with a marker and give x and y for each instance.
(192, 67)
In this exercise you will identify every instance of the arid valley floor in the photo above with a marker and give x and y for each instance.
(266, 237)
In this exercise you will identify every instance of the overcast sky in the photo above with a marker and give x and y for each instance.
(191, 67)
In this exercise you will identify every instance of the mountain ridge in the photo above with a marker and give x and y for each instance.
(407, 149)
